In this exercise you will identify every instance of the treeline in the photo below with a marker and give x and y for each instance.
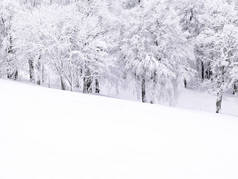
(148, 48)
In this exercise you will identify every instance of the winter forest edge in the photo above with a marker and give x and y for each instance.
(145, 48)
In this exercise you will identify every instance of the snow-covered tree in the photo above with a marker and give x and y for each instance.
(220, 49)
(8, 66)
(69, 41)
(217, 46)
(152, 49)
(152, 46)
(189, 12)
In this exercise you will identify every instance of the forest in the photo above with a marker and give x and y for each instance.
(144, 48)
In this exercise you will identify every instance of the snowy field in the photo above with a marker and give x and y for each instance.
(52, 134)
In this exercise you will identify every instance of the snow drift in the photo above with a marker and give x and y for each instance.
(51, 134)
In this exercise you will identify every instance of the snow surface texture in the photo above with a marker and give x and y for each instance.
(52, 134)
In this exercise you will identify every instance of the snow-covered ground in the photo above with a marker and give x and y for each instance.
(197, 100)
(202, 100)
(52, 134)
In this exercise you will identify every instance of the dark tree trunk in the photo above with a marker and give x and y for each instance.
(210, 74)
(38, 82)
(235, 89)
(9, 76)
(143, 91)
(203, 70)
(185, 83)
(97, 89)
(38, 68)
(208, 71)
(63, 87)
(31, 70)
(15, 75)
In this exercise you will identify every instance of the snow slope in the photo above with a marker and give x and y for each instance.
(51, 134)
(202, 100)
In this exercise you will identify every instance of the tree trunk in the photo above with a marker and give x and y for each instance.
(218, 102)
(38, 68)
(87, 82)
(208, 71)
(15, 75)
(42, 74)
(203, 70)
(97, 89)
(185, 83)
(235, 89)
(31, 71)
(63, 87)
(143, 91)
(87, 85)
